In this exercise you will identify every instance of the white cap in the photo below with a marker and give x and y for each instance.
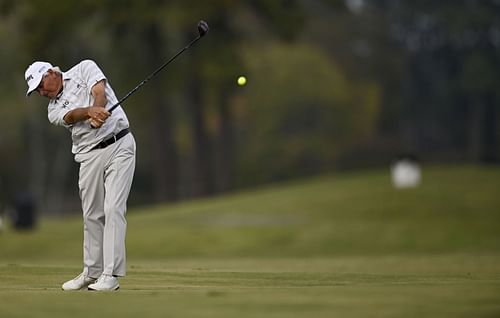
(34, 75)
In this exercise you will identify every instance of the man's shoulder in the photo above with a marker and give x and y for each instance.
(84, 72)
(82, 65)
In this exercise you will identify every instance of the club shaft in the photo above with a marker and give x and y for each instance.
(153, 74)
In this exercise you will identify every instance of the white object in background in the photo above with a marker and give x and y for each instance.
(406, 173)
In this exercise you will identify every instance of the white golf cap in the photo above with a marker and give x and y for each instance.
(34, 75)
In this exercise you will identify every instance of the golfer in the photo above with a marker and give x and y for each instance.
(105, 150)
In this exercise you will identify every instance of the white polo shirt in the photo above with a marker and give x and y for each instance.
(76, 93)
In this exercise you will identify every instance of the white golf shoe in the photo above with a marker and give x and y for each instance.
(78, 283)
(105, 283)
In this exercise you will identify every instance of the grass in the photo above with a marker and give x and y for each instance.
(346, 245)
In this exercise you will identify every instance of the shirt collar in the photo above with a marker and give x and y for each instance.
(65, 77)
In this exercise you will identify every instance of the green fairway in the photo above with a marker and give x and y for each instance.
(346, 245)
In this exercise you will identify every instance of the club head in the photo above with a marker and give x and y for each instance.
(202, 28)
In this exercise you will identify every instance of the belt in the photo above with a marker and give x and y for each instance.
(112, 140)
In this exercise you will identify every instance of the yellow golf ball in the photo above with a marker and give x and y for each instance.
(242, 80)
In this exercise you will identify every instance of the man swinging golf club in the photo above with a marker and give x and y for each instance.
(105, 150)
(83, 101)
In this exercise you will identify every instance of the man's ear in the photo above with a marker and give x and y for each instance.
(52, 72)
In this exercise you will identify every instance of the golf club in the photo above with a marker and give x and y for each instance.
(202, 30)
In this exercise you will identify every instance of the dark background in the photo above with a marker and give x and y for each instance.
(332, 85)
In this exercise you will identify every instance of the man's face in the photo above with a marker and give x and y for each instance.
(50, 85)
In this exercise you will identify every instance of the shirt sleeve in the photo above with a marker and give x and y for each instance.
(56, 115)
(91, 73)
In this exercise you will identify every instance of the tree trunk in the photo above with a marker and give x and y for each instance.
(201, 153)
(163, 151)
(489, 137)
(225, 144)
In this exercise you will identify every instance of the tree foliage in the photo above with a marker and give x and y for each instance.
(329, 82)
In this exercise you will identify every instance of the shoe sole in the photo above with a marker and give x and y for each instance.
(75, 290)
(104, 290)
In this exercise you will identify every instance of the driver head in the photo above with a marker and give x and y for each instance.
(202, 28)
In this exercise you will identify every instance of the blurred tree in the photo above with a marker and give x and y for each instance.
(42, 166)
(331, 83)
(359, 42)
(450, 93)
(300, 113)
(211, 88)
(138, 28)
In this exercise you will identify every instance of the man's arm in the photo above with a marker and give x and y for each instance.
(99, 93)
(96, 113)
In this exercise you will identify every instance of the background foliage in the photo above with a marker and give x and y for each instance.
(331, 85)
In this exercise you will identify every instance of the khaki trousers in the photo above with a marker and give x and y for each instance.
(105, 181)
